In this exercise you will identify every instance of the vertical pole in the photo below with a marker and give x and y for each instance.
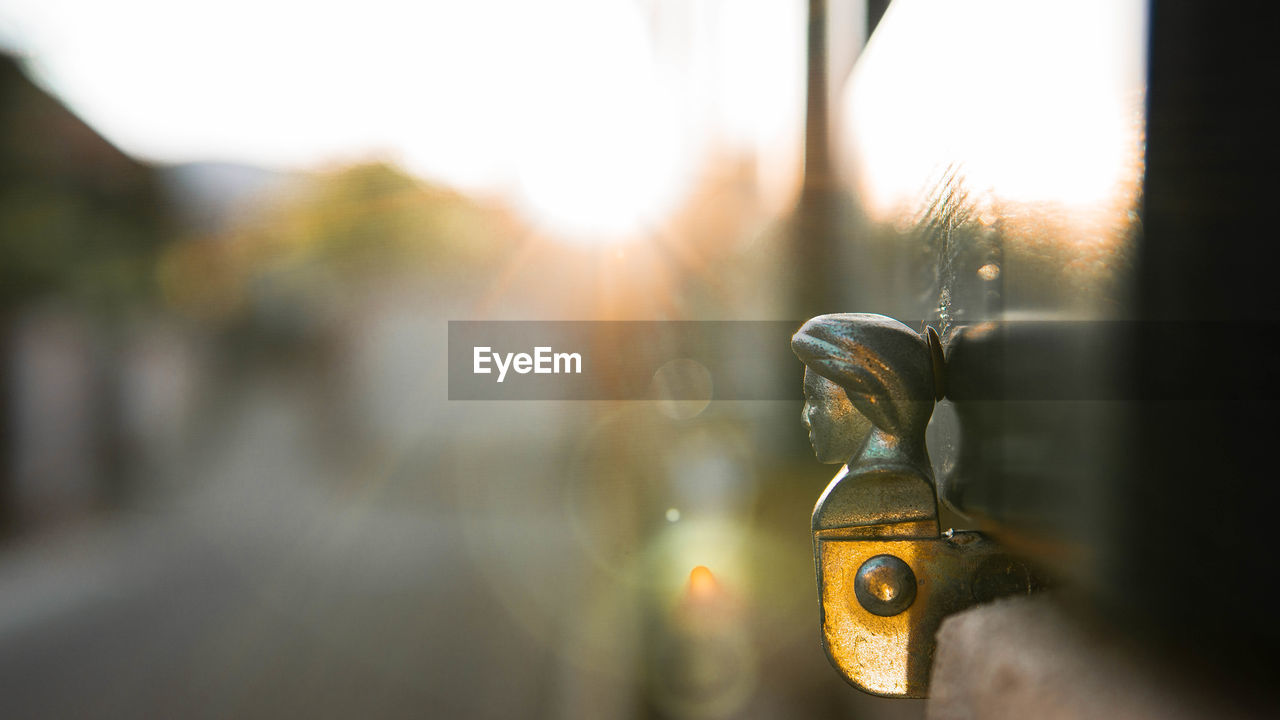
(813, 224)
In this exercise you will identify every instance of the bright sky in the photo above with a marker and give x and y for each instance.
(1036, 101)
(595, 115)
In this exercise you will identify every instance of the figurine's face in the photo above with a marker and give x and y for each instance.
(836, 429)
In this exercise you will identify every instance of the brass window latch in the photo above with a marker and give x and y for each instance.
(887, 575)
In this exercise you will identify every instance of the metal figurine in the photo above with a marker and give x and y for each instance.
(886, 574)
(885, 371)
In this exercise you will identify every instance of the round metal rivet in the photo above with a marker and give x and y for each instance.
(885, 585)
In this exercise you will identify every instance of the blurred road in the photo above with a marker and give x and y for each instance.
(265, 594)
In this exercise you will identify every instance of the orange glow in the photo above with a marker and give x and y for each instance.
(703, 584)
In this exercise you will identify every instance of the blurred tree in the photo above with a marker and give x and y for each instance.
(329, 238)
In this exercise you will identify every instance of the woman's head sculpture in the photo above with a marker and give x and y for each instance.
(874, 365)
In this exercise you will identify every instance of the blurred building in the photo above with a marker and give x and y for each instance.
(80, 223)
